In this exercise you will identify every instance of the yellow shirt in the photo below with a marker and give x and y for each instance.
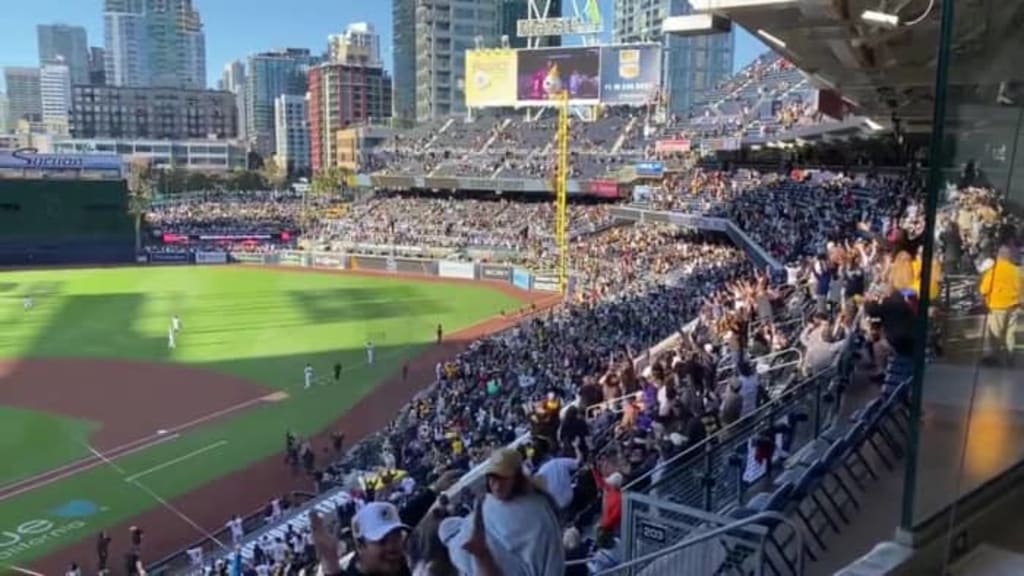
(1000, 285)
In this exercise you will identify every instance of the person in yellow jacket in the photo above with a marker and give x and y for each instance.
(1001, 290)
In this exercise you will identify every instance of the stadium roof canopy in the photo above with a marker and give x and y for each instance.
(887, 71)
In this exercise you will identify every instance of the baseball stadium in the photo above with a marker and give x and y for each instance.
(568, 332)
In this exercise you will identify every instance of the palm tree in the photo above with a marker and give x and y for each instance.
(140, 193)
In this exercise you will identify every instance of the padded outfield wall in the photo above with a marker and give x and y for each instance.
(65, 221)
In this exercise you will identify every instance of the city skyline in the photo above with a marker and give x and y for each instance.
(308, 25)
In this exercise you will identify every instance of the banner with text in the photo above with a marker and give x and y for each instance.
(649, 169)
(490, 78)
(328, 260)
(490, 272)
(449, 269)
(679, 145)
(603, 188)
(521, 278)
(630, 74)
(545, 282)
(290, 258)
(248, 257)
(542, 74)
(169, 257)
(211, 257)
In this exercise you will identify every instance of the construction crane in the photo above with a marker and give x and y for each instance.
(562, 193)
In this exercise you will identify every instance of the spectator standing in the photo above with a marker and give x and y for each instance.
(102, 551)
(1001, 290)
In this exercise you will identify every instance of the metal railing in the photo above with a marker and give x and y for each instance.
(752, 545)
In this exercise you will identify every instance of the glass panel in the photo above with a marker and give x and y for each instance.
(972, 395)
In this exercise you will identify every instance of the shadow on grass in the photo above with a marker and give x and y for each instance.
(94, 323)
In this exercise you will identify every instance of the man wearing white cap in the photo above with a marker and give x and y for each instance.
(379, 536)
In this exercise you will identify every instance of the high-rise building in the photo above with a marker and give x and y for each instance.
(341, 95)
(152, 113)
(430, 41)
(55, 96)
(233, 80)
(4, 128)
(269, 75)
(154, 43)
(291, 128)
(403, 49)
(233, 77)
(97, 66)
(359, 44)
(125, 41)
(693, 65)
(68, 44)
(23, 98)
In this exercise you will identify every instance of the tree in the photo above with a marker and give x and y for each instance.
(329, 181)
(274, 173)
(141, 184)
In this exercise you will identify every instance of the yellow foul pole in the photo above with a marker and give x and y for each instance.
(562, 193)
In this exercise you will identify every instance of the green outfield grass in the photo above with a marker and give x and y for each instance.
(260, 324)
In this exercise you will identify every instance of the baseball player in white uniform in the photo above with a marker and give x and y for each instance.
(308, 373)
(176, 323)
(369, 353)
(170, 338)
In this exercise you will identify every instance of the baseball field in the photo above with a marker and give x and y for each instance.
(103, 424)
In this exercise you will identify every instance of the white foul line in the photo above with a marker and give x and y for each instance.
(46, 478)
(21, 570)
(86, 465)
(181, 458)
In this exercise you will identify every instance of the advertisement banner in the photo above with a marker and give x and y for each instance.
(490, 272)
(630, 74)
(477, 183)
(603, 188)
(649, 169)
(449, 269)
(395, 182)
(545, 283)
(169, 257)
(521, 278)
(292, 259)
(328, 260)
(439, 183)
(490, 78)
(678, 145)
(248, 258)
(642, 194)
(211, 257)
(698, 222)
(544, 73)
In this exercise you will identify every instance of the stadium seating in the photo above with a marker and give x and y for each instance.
(763, 100)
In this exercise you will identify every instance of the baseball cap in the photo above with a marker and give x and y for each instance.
(376, 520)
(504, 462)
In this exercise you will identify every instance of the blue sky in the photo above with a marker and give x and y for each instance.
(236, 28)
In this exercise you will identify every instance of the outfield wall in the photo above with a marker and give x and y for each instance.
(519, 277)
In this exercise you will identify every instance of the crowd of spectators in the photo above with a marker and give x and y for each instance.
(851, 249)
(409, 219)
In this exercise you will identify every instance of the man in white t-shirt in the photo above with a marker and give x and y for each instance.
(237, 532)
(307, 372)
(557, 474)
(369, 353)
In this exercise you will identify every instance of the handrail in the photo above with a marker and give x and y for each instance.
(704, 536)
